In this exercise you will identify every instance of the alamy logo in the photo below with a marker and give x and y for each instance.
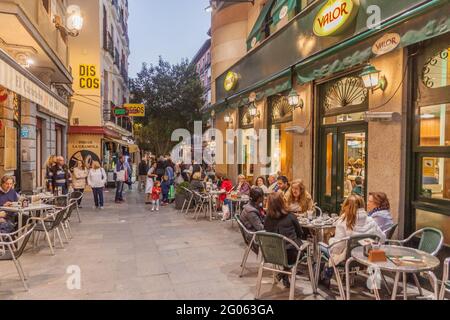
(73, 282)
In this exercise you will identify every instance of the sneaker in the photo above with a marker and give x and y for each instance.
(157, 209)
(102, 208)
(153, 209)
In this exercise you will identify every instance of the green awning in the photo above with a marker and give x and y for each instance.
(291, 6)
(257, 31)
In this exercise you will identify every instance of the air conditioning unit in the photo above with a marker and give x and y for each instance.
(382, 116)
(295, 130)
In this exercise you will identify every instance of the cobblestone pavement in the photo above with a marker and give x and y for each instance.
(129, 252)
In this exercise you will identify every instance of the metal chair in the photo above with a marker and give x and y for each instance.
(431, 242)
(349, 243)
(249, 239)
(186, 201)
(445, 280)
(49, 223)
(14, 245)
(390, 232)
(65, 223)
(273, 251)
(76, 196)
(202, 204)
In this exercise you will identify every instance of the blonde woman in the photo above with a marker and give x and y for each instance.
(80, 173)
(298, 199)
(49, 165)
(97, 179)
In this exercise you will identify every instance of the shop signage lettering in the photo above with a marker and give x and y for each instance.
(13, 80)
(335, 16)
(120, 112)
(88, 77)
(86, 145)
(135, 110)
(386, 43)
(25, 133)
(231, 81)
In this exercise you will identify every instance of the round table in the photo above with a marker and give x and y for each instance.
(318, 232)
(427, 264)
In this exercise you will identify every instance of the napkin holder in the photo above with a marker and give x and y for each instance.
(377, 256)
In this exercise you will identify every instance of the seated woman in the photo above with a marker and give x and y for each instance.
(7, 196)
(243, 187)
(379, 210)
(252, 215)
(261, 183)
(280, 221)
(299, 200)
(196, 182)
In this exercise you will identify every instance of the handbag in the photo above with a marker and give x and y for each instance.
(171, 192)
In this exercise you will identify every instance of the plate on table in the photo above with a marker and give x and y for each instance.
(303, 221)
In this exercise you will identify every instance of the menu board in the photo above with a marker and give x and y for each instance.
(10, 149)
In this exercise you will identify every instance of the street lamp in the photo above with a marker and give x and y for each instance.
(294, 100)
(74, 22)
(372, 78)
(228, 119)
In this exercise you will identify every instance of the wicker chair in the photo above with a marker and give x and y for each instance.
(350, 243)
(13, 245)
(445, 280)
(431, 241)
(273, 252)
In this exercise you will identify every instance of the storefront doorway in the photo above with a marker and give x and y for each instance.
(341, 167)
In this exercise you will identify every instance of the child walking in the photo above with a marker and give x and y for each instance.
(156, 194)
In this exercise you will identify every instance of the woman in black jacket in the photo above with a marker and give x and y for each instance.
(280, 221)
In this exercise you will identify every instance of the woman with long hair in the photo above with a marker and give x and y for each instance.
(279, 220)
(80, 173)
(261, 183)
(298, 199)
(49, 165)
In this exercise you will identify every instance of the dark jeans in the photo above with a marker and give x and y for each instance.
(165, 198)
(98, 197)
(119, 190)
(82, 191)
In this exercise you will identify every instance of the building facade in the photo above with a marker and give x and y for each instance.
(355, 90)
(202, 61)
(35, 88)
(99, 59)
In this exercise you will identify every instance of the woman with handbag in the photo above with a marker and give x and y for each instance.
(97, 180)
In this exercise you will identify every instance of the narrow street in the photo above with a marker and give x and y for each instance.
(129, 252)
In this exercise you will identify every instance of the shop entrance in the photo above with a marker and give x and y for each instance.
(341, 167)
(343, 164)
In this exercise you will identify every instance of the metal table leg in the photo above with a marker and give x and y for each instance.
(347, 276)
(395, 288)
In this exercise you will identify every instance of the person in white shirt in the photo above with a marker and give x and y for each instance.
(97, 180)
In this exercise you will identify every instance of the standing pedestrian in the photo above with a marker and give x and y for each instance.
(142, 172)
(51, 162)
(80, 173)
(97, 180)
(160, 168)
(165, 188)
(151, 176)
(61, 177)
(129, 166)
(121, 177)
(156, 195)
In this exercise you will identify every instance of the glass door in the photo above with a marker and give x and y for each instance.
(342, 169)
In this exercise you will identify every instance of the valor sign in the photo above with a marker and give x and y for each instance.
(386, 43)
(335, 16)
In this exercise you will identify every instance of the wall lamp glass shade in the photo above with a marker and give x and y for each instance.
(228, 119)
(75, 22)
(372, 78)
(294, 99)
(253, 111)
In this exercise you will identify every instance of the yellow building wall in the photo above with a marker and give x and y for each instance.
(85, 55)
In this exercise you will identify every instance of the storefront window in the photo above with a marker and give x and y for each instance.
(428, 219)
(436, 178)
(355, 159)
(329, 165)
(435, 125)
(436, 72)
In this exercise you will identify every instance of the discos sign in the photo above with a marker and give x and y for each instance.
(335, 16)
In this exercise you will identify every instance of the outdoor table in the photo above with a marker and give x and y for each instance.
(318, 233)
(212, 194)
(428, 263)
(27, 211)
(238, 201)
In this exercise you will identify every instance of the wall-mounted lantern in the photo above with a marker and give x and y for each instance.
(294, 100)
(74, 21)
(373, 79)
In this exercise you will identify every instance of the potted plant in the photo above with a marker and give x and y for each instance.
(181, 195)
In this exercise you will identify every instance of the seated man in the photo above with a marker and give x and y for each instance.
(7, 196)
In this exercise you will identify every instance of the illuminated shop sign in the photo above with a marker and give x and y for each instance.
(335, 16)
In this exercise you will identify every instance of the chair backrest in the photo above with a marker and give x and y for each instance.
(353, 242)
(59, 216)
(60, 201)
(273, 248)
(76, 195)
(431, 240)
(69, 211)
(246, 234)
(17, 241)
(390, 232)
